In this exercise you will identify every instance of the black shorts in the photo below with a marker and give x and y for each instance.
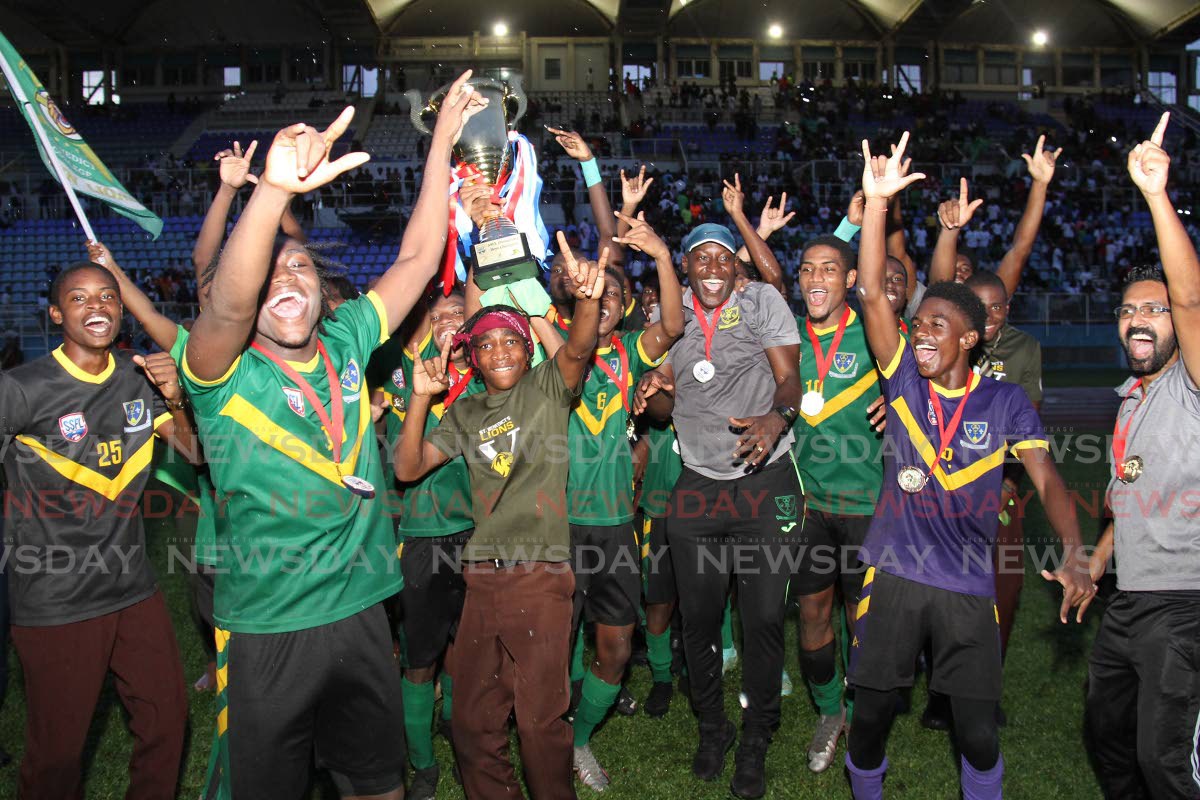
(608, 578)
(658, 576)
(432, 599)
(897, 616)
(838, 539)
(332, 690)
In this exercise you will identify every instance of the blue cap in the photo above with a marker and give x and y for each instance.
(709, 232)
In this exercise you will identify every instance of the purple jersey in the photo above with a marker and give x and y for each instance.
(943, 535)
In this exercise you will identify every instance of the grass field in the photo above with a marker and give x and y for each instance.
(649, 759)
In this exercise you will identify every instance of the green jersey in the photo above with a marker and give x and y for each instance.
(663, 467)
(600, 479)
(194, 482)
(440, 503)
(837, 452)
(302, 550)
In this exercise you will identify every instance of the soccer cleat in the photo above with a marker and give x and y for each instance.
(588, 769)
(424, 784)
(658, 702)
(785, 685)
(749, 766)
(626, 704)
(824, 741)
(729, 659)
(715, 742)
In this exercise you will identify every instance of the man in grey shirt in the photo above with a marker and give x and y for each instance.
(738, 506)
(1143, 701)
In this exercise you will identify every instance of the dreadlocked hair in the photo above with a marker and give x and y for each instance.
(327, 269)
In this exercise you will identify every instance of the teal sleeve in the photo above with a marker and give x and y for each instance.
(847, 230)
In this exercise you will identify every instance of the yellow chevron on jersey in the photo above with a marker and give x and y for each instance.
(244, 413)
(843, 398)
(960, 478)
(108, 488)
(591, 422)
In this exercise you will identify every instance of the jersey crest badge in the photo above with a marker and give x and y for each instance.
(73, 427)
(729, 318)
(844, 362)
(351, 377)
(786, 505)
(398, 378)
(976, 431)
(398, 402)
(295, 400)
(135, 410)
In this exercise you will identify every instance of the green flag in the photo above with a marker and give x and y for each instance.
(79, 166)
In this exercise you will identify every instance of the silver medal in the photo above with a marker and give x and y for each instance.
(359, 486)
(704, 371)
(811, 404)
(911, 479)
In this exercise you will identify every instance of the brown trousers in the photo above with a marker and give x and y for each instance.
(510, 655)
(65, 667)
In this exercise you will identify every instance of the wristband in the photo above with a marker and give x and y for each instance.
(847, 230)
(591, 172)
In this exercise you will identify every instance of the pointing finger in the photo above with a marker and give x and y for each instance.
(1161, 130)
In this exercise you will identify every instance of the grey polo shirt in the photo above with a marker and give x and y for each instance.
(743, 386)
(1156, 518)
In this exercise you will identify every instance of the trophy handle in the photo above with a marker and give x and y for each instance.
(417, 107)
(515, 89)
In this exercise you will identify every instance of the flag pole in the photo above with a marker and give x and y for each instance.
(18, 93)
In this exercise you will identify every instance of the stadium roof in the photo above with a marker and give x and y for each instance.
(87, 24)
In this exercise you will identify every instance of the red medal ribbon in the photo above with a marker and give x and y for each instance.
(823, 363)
(1121, 434)
(334, 428)
(947, 433)
(708, 328)
(615, 377)
(458, 384)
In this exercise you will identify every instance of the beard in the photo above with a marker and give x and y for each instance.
(1162, 353)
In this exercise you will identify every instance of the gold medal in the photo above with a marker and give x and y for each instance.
(1131, 469)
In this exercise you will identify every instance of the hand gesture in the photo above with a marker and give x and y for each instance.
(163, 373)
(641, 237)
(587, 277)
(298, 160)
(1078, 587)
(1041, 163)
(732, 196)
(1149, 163)
(235, 165)
(573, 143)
(460, 104)
(651, 384)
(854, 211)
(883, 183)
(430, 377)
(98, 253)
(954, 214)
(758, 437)
(877, 415)
(476, 198)
(774, 218)
(633, 190)
(378, 409)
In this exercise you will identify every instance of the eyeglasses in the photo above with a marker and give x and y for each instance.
(1148, 310)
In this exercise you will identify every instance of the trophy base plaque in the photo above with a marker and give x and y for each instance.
(502, 255)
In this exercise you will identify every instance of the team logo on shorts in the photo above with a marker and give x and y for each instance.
(786, 504)
(73, 427)
(398, 377)
(729, 318)
(295, 400)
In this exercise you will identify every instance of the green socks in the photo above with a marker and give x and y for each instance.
(447, 696)
(577, 669)
(598, 697)
(658, 652)
(727, 628)
(418, 719)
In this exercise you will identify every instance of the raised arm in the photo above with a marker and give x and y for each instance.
(953, 216)
(425, 236)
(234, 170)
(659, 337)
(413, 457)
(633, 192)
(760, 254)
(1149, 165)
(574, 358)
(881, 181)
(602, 210)
(161, 329)
(1041, 171)
(897, 242)
(297, 162)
